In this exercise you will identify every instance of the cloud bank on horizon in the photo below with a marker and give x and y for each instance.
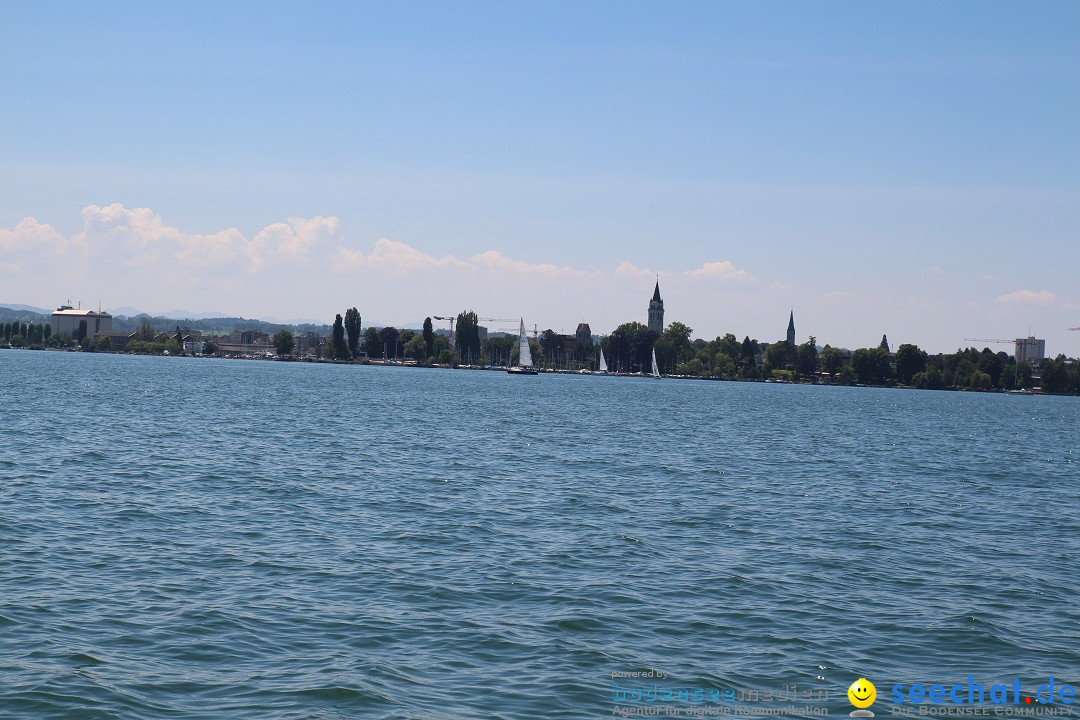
(309, 267)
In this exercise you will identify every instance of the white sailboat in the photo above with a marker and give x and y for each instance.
(655, 369)
(525, 363)
(603, 363)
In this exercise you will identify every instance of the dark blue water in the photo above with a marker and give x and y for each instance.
(225, 539)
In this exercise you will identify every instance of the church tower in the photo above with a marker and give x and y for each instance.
(791, 329)
(656, 311)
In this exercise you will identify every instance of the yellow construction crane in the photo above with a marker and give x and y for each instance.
(990, 340)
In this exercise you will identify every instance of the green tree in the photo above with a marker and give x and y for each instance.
(871, 366)
(389, 338)
(729, 345)
(723, 365)
(909, 361)
(339, 350)
(777, 354)
(806, 357)
(991, 364)
(678, 335)
(81, 332)
(429, 337)
(352, 327)
(209, 348)
(1023, 376)
(146, 330)
(549, 345)
(831, 359)
(179, 338)
(416, 349)
(748, 352)
(468, 337)
(284, 343)
(979, 381)
(103, 344)
(1054, 376)
(929, 379)
(373, 343)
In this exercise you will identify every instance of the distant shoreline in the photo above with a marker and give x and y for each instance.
(542, 371)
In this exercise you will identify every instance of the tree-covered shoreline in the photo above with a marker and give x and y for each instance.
(628, 351)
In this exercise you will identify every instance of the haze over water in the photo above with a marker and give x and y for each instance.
(207, 539)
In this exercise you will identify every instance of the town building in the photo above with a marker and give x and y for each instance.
(656, 311)
(582, 341)
(1029, 350)
(66, 321)
(308, 344)
(791, 329)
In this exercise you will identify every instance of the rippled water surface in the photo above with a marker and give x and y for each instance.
(188, 538)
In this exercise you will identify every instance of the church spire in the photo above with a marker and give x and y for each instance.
(656, 310)
(791, 329)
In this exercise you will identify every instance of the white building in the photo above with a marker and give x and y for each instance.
(66, 319)
(1030, 350)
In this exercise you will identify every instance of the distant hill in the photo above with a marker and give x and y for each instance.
(24, 313)
(27, 308)
(220, 325)
(213, 325)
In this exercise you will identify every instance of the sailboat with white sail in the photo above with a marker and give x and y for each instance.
(525, 363)
(603, 364)
(655, 368)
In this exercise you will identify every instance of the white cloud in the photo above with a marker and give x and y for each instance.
(391, 255)
(28, 241)
(495, 260)
(722, 270)
(1028, 297)
(628, 268)
(138, 237)
(298, 237)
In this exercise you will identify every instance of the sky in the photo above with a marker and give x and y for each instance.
(909, 169)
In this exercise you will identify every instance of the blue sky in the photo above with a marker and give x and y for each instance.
(902, 168)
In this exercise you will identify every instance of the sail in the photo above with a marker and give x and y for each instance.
(603, 362)
(524, 355)
(655, 370)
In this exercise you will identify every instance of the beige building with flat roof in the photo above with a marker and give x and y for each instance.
(66, 319)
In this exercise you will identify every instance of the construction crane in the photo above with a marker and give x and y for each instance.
(1074, 328)
(451, 338)
(509, 320)
(990, 340)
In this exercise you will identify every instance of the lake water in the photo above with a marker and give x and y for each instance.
(184, 538)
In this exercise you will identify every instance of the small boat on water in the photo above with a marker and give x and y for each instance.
(525, 363)
(655, 368)
(603, 364)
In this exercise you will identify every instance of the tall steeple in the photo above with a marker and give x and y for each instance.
(791, 329)
(656, 310)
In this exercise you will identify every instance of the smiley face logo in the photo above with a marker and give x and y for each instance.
(862, 693)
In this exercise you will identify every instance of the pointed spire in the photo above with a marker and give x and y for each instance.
(791, 321)
(656, 292)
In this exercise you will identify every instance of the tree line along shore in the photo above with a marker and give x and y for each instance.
(628, 350)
